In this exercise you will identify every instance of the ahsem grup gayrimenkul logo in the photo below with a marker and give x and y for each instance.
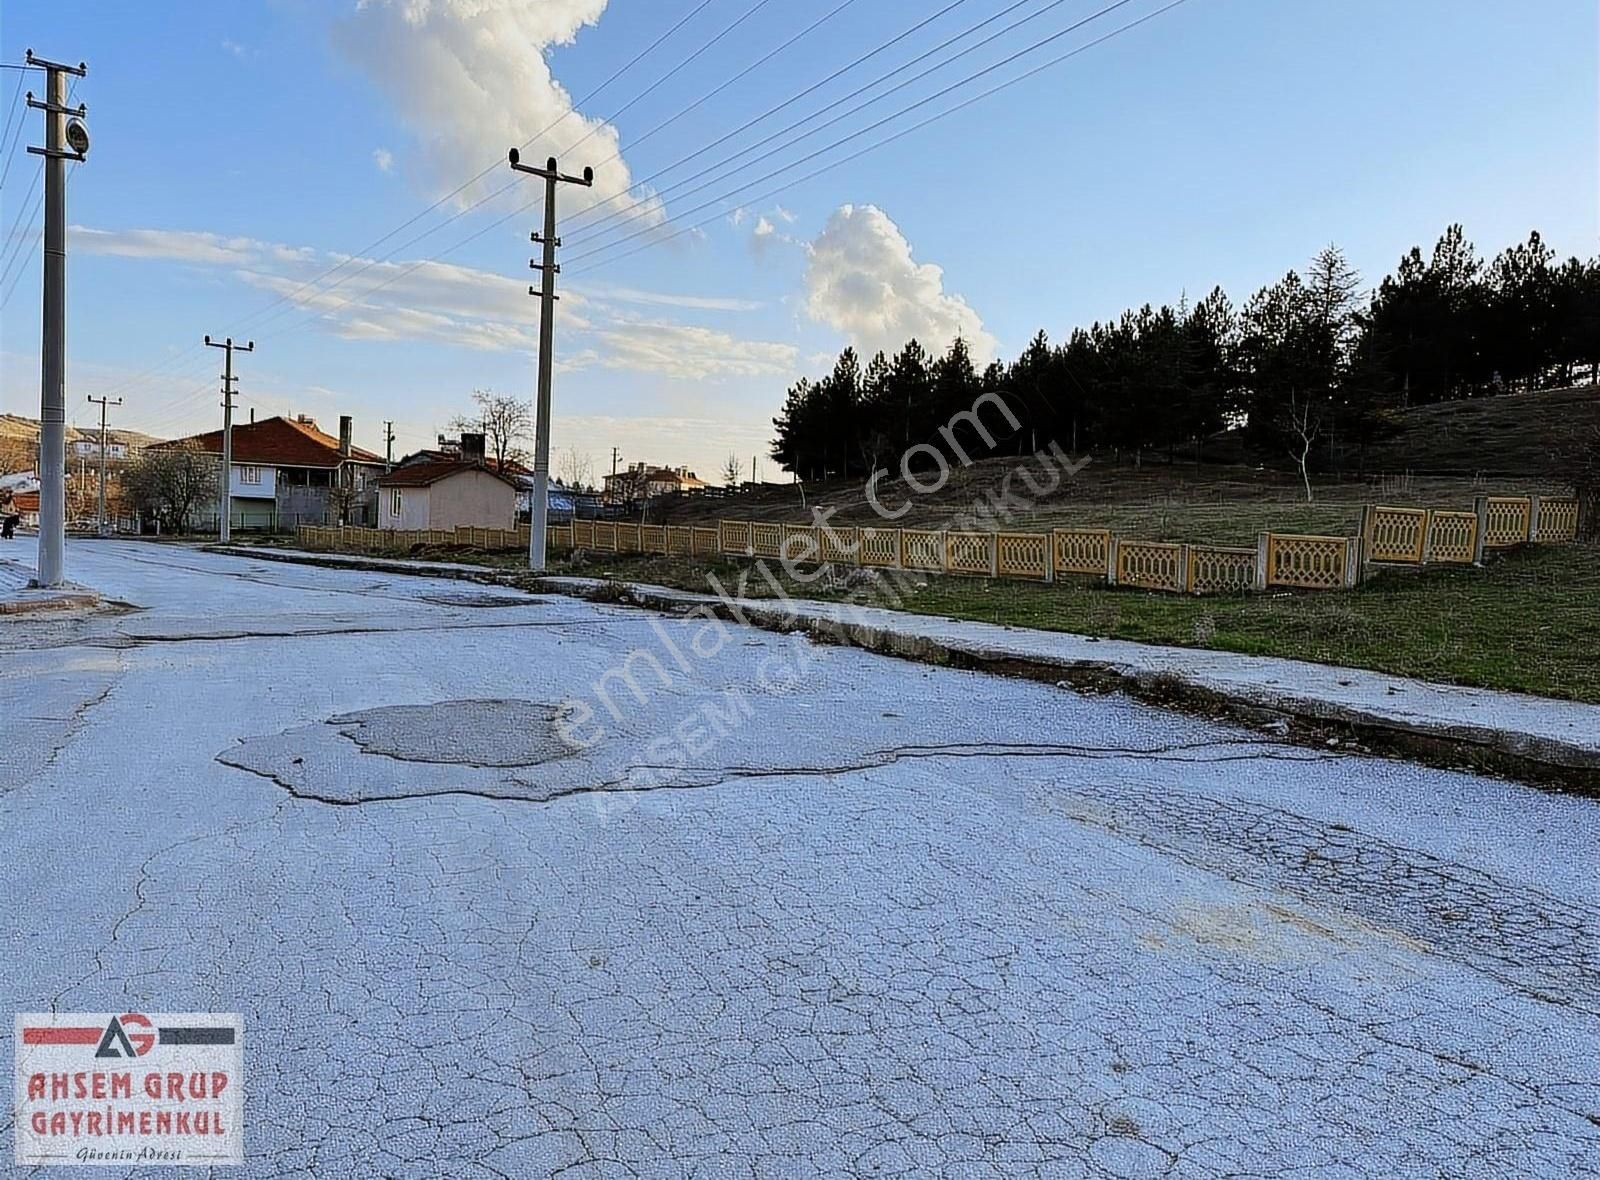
(129, 1088)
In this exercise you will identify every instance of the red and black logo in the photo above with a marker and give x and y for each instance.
(129, 1035)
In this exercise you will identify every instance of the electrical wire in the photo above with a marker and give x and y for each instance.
(905, 131)
(857, 134)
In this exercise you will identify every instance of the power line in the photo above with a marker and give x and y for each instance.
(10, 143)
(857, 134)
(640, 208)
(1055, 61)
(961, 36)
(455, 192)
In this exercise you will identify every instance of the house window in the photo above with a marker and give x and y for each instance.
(250, 475)
(394, 503)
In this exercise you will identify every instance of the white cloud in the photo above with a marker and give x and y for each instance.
(689, 351)
(461, 306)
(232, 47)
(783, 215)
(176, 245)
(383, 158)
(764, 228)
(863, 282)
(471, 78)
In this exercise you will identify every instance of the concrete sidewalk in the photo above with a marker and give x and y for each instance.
(1528, 737)
(18, 562)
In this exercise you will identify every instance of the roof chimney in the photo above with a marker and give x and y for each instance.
(346, 424)
(471, 448)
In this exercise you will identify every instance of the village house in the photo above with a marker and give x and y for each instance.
(434, 490)
(287, 473)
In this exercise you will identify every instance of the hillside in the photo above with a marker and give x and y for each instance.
(1509, 435)
(1452, 452)
(16, 428)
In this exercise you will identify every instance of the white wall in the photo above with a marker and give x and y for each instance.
(267, 489)
(413, 508)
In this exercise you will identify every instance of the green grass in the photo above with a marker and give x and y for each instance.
(1528, 622)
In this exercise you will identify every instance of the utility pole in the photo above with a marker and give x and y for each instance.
(388, 445)
(546, 291)
(614, 457)
(65, 138)
(225, 496)
(103, 403)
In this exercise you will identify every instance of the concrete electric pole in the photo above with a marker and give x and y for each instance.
(65, 138)
(547, 331)
(225, 493)
(100, 515)
(388, 445)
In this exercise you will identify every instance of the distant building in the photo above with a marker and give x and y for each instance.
(641, 481)
(286, 473)
(117, 451)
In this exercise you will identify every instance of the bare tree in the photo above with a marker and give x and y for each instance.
(1302, 426)
(171, 482)
(505, 423)
(732, 471)
(575, 468)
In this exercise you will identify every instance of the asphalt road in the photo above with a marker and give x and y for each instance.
(778, 910)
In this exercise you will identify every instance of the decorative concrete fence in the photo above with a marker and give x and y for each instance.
(1428, 536)
(1389, 536)
(344, 538)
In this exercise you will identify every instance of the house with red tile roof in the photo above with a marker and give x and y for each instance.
(446, 493)
(286, 472)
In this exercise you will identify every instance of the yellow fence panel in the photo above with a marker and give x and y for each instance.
(880, 547)
(1082, 551)
(921, 549)
(1023, 555)
(766, 540)
(706, 541)
(1453, 537)
(1151, 565)
(605, 536)
(1507, 521)
(627, 538)
(1221, 570)
(583, 534)
(734, 536)
(969, 553)
(1558, 520)
(1310, 563)
(680, 541)
(841, 545)
(800, 544)
(559, 537)
(652, 538)
(1396, 534)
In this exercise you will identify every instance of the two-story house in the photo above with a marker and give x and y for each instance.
(286, 473)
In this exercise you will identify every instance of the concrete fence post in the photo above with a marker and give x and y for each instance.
(1534, 509)
(1263, 556)
(1427, 536)
(1185, 571)
(1480, 505)
(1112, 547)
(994, 555)
(1354, 547)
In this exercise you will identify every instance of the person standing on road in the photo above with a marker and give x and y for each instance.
(9, 516)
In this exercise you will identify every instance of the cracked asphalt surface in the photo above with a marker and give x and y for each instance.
(860, 918)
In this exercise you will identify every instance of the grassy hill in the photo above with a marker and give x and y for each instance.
(1441, 456)
(14, 428)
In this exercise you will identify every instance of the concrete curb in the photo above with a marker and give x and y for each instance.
(1562, 750)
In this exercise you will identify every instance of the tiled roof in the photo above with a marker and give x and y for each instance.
(430, 471)
(279, 442)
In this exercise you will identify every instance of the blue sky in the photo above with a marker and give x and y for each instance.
(240, 150)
